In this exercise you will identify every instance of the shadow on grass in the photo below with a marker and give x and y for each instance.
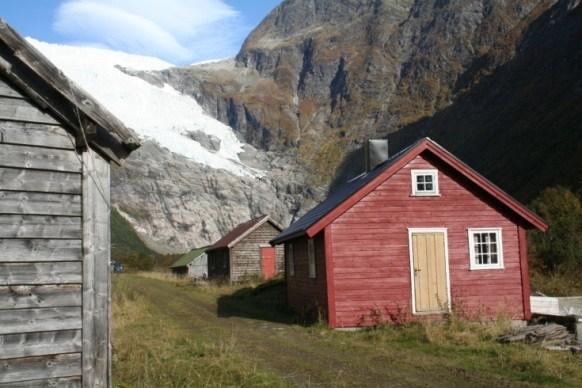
(265, 302)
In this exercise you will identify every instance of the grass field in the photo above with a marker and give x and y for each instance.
(169, 333)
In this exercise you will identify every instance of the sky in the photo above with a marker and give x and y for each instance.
(178, 31)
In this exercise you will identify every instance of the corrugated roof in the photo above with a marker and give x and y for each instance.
(240, 231)
(300, 226)
(188, 257)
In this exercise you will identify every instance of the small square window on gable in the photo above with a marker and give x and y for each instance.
(425, 183)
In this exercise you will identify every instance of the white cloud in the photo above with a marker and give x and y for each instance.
(179, 31)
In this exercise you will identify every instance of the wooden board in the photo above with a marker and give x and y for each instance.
(35, 250)
(45, 367)
(17, 226)
(96, 272)
(18, 297)
(14, 202)
(42, 135)
(64, 382)
(41, 181)
(12, 274)
(45, 319)
(8, 91)
(22, 110)
(39, 158)
(40, 343)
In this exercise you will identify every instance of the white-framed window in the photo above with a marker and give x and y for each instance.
(485, 248)
(290, 260)
(311, 258)
(425, 182)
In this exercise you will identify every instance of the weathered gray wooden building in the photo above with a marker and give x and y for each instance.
(56, 146)
(245, 252)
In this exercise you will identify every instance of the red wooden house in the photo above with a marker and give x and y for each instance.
(419, 235)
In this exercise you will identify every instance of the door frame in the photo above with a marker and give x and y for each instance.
(411, 231)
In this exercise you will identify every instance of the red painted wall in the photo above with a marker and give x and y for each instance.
(371, 259)
(305, 295)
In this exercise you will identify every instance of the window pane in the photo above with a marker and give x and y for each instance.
(420, 179)
(428, 178)
(492, 237)
(420, 187)
(477, 237)
(494, 258)
(429, 187)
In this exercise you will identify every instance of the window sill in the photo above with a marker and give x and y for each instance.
(485, 268)
(425, 195)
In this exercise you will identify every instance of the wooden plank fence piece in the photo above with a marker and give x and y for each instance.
(22, 110)
(96, 274)
(46, 319)
(8, 91)
(64, 382)
(42, 135)
(40, 343)
(51, 159)
(44, 367)
(14, 274)
(14, 202)
(19, 226)
(19, 297)
(39, 250)
(40, 181)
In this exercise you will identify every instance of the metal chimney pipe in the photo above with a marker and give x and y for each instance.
(376, 153)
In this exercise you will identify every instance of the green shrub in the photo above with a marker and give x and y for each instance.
(560, 248)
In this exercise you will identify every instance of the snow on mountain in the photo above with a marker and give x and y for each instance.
(161, 114)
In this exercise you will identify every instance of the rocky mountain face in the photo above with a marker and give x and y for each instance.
(175, 204)
(497, 82)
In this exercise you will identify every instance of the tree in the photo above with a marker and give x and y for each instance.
(560, 248)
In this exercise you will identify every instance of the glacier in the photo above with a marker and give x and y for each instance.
(160, 114)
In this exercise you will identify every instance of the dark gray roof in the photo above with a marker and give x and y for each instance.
(299, 227)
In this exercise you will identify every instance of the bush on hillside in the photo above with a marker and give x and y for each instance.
(559, 250)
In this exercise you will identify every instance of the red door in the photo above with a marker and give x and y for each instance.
(268, 262)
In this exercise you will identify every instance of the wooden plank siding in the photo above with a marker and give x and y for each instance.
(41, 135)
(40, 343)
(21, 202)
(21, 179)
(307, 296)
(14, 274)
(41, 231)
(16, 109)
(64, 382)
(39, 250)
(96, 272)
(39, 158)
(245, 256)
(43, 367)
(371, 255)
(43, 319)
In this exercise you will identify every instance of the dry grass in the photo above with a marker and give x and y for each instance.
(170, 335)
(150, 350)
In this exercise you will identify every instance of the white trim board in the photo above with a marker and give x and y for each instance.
(444, 231)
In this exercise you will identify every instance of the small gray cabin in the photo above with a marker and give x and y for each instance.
(193, 264)
(56, 146)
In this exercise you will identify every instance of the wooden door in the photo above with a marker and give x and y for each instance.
(429, 266)
(268, 262)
